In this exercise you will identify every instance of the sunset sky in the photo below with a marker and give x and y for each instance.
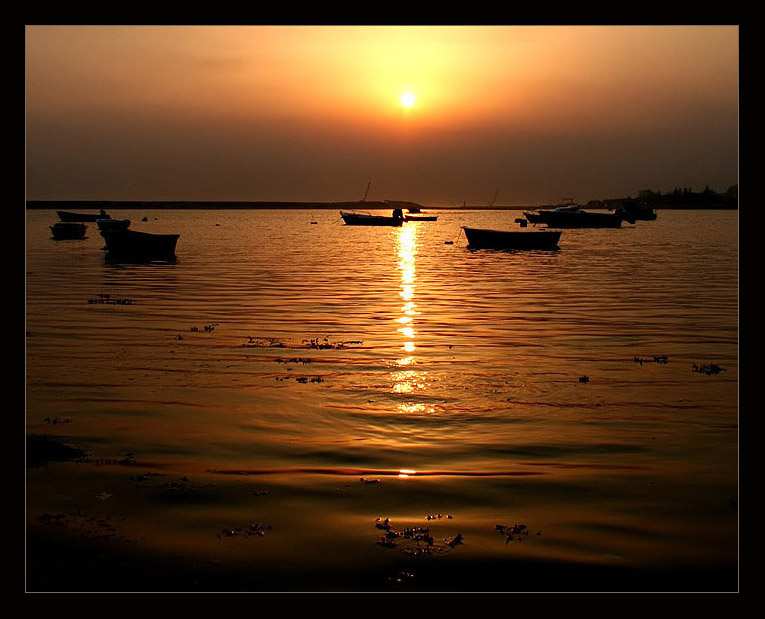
(312, 113)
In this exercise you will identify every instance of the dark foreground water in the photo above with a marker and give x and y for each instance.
(310, 406)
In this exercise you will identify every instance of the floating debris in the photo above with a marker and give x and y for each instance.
(325, 344)
(414, 540)
(663, 359)
(401, 577)
(708, 369)
(106, 299)
(294, 360)
(56, 420)
(584, 379)
(256, 529)
(312, 379)
(437, 517)
(513, 533)
(382, 524)
(455, 541)
(364, 480)
(271, 342)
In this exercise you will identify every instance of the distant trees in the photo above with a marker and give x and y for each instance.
(679, 198)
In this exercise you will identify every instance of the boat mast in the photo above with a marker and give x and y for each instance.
(366, 193)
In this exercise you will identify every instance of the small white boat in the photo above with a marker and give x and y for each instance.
(364, 219)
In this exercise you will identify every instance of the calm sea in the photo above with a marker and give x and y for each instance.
(397, 368)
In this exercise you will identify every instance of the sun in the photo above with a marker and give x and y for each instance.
(407, 99)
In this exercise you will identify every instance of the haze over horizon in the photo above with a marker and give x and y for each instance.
(528, 114)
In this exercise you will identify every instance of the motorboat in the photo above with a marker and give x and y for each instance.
(572, 216)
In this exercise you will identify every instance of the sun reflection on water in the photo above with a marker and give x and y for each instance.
(406, 378)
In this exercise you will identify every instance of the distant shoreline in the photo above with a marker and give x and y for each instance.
(242, 205)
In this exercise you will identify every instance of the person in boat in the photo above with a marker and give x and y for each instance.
(398, 213)
(103, 213)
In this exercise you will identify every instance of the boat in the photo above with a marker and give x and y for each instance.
(80, 217)
(420, 217)
(113, 224)
(572, 216)
(68, 230)
(126, 243)
(364, 219)
(632, 211)
(481, 238)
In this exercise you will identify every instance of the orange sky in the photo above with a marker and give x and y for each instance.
(313, 113)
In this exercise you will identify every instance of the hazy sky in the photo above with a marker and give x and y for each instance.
(534, 114)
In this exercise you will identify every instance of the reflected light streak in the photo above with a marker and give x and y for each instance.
(404, 473)
(408, 380)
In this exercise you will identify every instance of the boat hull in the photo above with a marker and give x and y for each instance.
(80, 217)
(581, 219)
(421, 217)
(63, 231)
(139, 245)
(479, 238)
(357, 219)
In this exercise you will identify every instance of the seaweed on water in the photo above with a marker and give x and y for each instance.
(661, 359)
(513, 533)
(106, 299)
(708, 369)
(414, 540)
(271, 342)
(255, 529)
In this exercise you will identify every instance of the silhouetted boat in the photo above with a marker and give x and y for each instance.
(633, 211)
(421, 217)
(479, 238)
(364, 219)
(68, 230)
(78, 217)
(572, 216)
(140, 245)
(113, 224)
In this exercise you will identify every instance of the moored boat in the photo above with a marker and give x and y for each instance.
(572, 216)
(421, 217)
(364, 219)
(80, 217)
(481, 238)
(113, 224)
(128, 243)
(68, 230)
(632, 211)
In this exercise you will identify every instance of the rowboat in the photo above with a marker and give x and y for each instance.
(79, 217)
(68, 230)
(480, 238)
(572, 216)
(363, 219)
(113, 224)
(128, 243)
